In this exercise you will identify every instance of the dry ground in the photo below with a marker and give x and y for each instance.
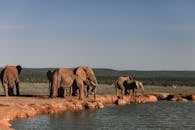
(29, 89)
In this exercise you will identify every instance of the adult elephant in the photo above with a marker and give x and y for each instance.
(89, 79)
(60, 91)
(63, 78)
(119, 83)
(132, 85)
(10, 79)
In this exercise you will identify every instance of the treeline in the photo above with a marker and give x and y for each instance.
(162, 81)
(108, 76)
(162, 78)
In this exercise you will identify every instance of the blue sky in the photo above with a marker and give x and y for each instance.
(118, 34)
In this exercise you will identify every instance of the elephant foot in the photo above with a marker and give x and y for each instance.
(53, 96)
(80, 98)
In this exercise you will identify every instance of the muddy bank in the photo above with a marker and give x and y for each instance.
(23, 107)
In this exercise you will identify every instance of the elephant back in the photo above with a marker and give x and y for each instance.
(10, 75)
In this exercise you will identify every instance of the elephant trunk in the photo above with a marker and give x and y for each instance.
(94, 86)
(94, 89)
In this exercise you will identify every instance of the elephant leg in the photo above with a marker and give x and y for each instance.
(50, 89)
(17, 89)
(88, 91)
(126, 91)
(133, 92)
(94, 94)
(11, 91)
(70, 91)
(80, 97)
(54, 92)
(64, 92)
(81, 91)
(130, 92)
(5, 86)
(85, 91)
(116, 89)
(74, 89)
(123, 92)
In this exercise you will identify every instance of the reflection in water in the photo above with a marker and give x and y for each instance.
(160, 115)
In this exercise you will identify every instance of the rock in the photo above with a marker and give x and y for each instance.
(100, 105)
(176, 98)
(161, 96)
(184, 100)
(91, 105)
(150, 98)
(121, 102)
(108, 99)
(193, 97)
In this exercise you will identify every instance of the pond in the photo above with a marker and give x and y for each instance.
(161, 115)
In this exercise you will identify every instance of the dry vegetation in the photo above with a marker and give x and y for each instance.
(28, 89)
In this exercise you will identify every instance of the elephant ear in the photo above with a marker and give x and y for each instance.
(19, 68)
(90, 74)
(81, 73)
(88, 70)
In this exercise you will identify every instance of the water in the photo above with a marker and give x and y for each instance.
(163, 115)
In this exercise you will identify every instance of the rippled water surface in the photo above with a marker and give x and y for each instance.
(156, 116)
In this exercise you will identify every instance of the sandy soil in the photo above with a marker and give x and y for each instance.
(35, 100)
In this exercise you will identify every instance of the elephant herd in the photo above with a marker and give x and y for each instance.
(127, 83)
(74, 79)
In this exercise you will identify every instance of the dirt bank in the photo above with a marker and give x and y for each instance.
(22, 107)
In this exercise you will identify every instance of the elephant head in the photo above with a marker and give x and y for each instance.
(10, 78)
(87, 75)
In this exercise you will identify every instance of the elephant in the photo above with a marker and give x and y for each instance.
(119, 83)
(60, 89)
(89, 79)
(63, 78)
(132, 85)
(10, 79)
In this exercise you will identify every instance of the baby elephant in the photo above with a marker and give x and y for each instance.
(132, 85)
